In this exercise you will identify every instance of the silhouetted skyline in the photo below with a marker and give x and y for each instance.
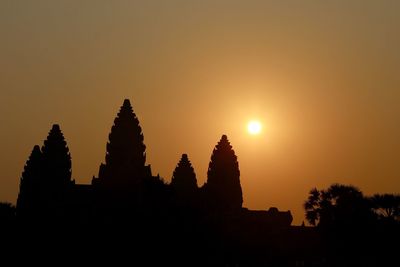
(125, 185)
(127, 201)
(322, 77)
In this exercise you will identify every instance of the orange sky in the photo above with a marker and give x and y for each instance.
(323, 77)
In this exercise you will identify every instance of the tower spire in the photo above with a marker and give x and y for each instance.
(125, 151)
(28, 202)
(184, 180)
(223, 187)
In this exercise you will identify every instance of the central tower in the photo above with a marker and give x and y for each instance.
(125, 165)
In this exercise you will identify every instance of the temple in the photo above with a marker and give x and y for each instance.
(125, 189)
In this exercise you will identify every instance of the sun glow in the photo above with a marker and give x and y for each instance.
(254, 127)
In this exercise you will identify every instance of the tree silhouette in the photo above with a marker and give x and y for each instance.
(386, 206)
(126, 152)
(223, 190)
(28, 201)
(184, 182)
(339, 205)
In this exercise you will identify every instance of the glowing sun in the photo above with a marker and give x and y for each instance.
(254, 127)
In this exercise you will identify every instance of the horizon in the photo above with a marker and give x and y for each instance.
(322, 78)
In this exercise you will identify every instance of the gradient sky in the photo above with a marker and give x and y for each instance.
(322, 76)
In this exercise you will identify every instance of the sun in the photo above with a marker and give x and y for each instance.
(254, 127)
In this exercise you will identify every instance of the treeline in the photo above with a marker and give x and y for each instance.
(355, 230)
(345, 205)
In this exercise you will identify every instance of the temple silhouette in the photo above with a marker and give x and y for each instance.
(125, 201)
(127, 215)
(125, 188)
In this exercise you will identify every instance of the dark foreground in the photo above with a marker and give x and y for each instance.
(210, 242)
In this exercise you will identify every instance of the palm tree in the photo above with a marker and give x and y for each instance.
(337, 205)
(386, 206)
